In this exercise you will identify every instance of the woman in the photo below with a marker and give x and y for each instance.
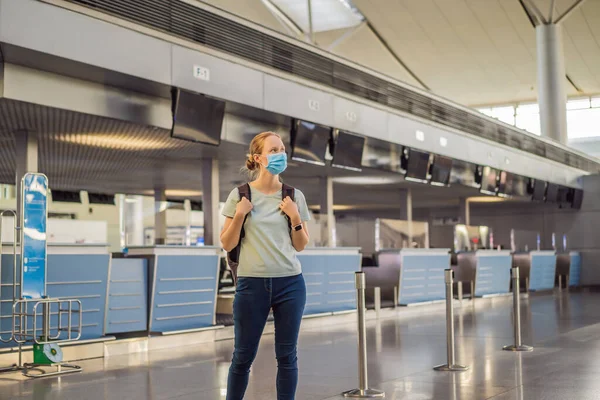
(269, 273)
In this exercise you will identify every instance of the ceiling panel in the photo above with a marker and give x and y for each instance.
(475, 52)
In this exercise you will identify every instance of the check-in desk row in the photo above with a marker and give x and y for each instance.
(489, 270)
(164, 289)
(417, 275)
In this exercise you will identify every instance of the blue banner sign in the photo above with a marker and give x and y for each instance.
(33, 235)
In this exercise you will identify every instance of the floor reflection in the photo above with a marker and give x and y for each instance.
(403, 347)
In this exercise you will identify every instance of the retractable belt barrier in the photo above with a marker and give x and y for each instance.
(517, 346)
(37, 319)
(451, 362)
(363, 391)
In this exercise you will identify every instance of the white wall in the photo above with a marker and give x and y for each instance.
(84, 212)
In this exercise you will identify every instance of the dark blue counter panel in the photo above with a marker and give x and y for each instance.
(184, 292)
(6, 300)
(127, 296)
(83, 277)
(422, 276)
(543, 270)
(575, 269)
(492, 273)
(330, 285)
(69, 276)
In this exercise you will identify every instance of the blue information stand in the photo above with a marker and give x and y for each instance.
(37, 319)
(33, 236)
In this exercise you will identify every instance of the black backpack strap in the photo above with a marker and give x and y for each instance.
(288, 191)
(244, 191)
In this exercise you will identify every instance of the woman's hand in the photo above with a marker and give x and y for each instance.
(291, 210)
(243, 207)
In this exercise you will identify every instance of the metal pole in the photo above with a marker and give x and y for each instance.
(46, 322)
(451, 365)
(395, 296)
(363, 391)
(311, 32)
(517, 346)
(377, 296)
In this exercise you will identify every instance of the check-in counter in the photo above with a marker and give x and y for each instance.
(575, 268)
(465, 272)
(73, 272)
(329, 276)
(182, 286)
(385, 275)
(422, 275)
(568, 267)
(492, 272)
(537, 269)
(127, 305)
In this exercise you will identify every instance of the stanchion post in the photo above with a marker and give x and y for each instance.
(450, 354)
(363, 391)
(517, 346)
(377, 298)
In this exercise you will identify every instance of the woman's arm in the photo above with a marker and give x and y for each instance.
(299, 238)
(230, 235)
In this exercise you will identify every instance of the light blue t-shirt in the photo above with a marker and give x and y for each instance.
(267, 250)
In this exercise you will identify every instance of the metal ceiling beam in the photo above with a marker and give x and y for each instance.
(284, 19)
(345, 36)
(532, 18)
(536, 11)
(395, 56)
(551, 14)
(311, 30)
(568, 12)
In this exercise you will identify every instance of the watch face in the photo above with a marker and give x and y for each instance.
(299, 227)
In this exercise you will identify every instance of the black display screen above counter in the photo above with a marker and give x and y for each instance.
(310, 142)
(539, 190)
(441, 170)
(197, 118)
(348, 151)
(489, 180)
(417, 165)
(464, 173)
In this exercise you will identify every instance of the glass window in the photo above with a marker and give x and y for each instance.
(528, 118)
(530, 123)
(578, 104)
(532, 108)
(486, 111)
(583, 123)
(504, 114)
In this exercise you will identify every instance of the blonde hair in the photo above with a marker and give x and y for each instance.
(256, 147)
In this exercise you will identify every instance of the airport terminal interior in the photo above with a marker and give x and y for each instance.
(448, 152)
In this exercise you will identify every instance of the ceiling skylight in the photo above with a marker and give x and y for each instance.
(327, 14)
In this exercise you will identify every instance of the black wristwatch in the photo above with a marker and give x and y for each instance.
(298, 227)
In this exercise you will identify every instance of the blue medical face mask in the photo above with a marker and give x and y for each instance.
(277, 163)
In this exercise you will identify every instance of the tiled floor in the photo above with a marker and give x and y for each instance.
(402, 350)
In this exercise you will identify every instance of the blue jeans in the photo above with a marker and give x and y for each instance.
(253, 300)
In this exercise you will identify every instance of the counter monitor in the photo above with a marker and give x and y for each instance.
(310, 142)
(441, 170)
(489, 181)
(197, 118)
(416, 165)
(348, 151)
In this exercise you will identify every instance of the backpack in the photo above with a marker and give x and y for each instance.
(233, 257)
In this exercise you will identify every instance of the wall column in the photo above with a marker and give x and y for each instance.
(26, 161)
(210, 201)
